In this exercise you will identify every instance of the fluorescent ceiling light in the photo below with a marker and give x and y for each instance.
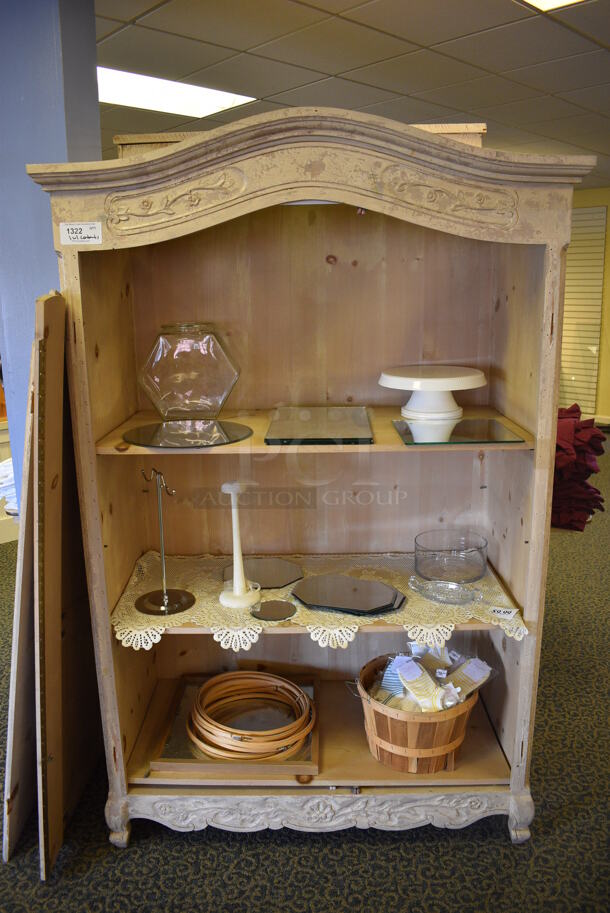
(132, 90)
(546, 5)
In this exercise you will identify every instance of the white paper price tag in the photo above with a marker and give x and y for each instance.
(503, 613)
(441, 673)
(80, 232)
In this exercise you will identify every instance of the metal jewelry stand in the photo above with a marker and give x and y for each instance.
(163, 601)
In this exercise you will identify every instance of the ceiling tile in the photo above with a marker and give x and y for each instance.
(125, 10)
(594, 179)
(545, 146)
(256, 76)
(501, 136)
(530, 110)
(592, 19)
(411, 110)
(106, 137)
(141, 50)
(596, 142)
(519, 44)
(430, 21)
(339, 93)
(567, 73)
(333, 6)
(596, 98)
(248, 110)
(414, 72)
(490, 90)
(574, 129)
(237, 24)
(105, 27)
(137, 120)
(457, 117)
(334, 46)
(200, 125)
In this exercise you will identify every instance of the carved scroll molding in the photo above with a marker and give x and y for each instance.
(457, 201)
(318, 813)
(128, 213)
(318, 172)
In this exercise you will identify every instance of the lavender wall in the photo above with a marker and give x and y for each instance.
(49, 113)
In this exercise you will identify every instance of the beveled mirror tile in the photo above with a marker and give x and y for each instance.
(270, 572)
(274, 610)
(341, 593)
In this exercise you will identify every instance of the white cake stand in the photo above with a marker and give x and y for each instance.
(432, 386)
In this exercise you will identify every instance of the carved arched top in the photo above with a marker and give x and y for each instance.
(322, 154)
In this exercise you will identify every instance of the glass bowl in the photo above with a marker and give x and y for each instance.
(455, 555)
(188, 373)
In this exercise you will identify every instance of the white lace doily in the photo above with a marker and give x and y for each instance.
(426, 622)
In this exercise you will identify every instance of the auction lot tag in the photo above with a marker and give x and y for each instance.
(80, 232)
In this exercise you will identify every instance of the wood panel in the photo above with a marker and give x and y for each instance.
(316, 503)
(48, 623)
(124, 517)
(314, 301)
(509, 481)
(136, 676)
(81, 723)
(505, 656)
(107, 293)
(20, 777)
(516, 327)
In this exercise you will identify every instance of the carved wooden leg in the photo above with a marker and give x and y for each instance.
(117, 819)
(520, 816)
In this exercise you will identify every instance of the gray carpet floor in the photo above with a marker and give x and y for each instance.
(562, 869)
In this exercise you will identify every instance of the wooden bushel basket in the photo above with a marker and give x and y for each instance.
(418, 743)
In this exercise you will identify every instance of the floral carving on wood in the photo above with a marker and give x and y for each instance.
(459, 201)
(127, 213)
(317, 813)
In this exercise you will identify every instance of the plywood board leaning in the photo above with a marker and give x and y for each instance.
(20, 772)
(48, 447)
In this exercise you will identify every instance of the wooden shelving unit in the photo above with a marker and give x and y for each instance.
(438, 253)
(386, 439)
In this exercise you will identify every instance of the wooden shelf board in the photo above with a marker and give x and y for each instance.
(378, 627)
(345, 759)
(385, 436)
